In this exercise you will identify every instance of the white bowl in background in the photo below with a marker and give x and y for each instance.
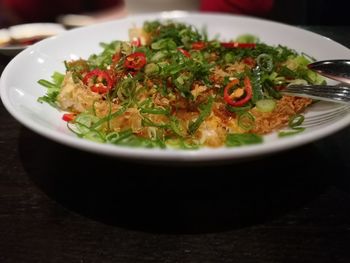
(16, 38)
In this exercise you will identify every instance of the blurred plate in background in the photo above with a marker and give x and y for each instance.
(16, 38)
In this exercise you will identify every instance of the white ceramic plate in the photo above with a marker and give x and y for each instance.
(19, 88)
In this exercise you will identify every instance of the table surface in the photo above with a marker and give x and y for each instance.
(59, 204)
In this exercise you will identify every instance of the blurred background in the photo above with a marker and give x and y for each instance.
(83, 12)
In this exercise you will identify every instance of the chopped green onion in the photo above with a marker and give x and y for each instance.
(125, 90)
(286, 72)
(94, 136)
(247, 38)
(175, 126)
(205, 110)
(116, 137)
(256, 85)
(127, 138)
(265, 62)
(150, 26)
(166, 43)
(47, 84)
(298, 82)
(296, 120)
(109, 117)
(229, 57)
(53, 88)
(286, 133)
(270, 89)
(238, 109)
(197, 55)
(146, 122)
(151, 69)
(160, 111)
(159, 56)
(239, 139)
(246, 121)
(266, 105)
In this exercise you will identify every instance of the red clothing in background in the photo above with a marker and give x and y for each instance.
(46, 10)
(251, 7)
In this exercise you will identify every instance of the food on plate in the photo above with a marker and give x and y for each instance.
(5, 37)
(172, 86)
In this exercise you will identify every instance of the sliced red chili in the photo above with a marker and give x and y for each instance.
(135, 61)
(241, 101)
(279, 88)
(249, 61)
(68, 117)
(116, 57)
(136, 42)
(79, 66)
(198, 45)
(237, 45)
(99, 81)
(184, 52)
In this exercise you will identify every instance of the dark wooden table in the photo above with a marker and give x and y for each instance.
(59, 204)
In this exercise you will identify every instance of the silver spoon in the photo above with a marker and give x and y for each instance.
(334, 69)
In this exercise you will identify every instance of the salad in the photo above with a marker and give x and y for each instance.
(172, 86)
